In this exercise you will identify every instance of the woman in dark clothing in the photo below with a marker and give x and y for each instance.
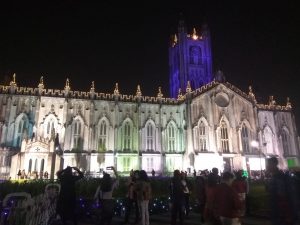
(104, 194)
(67, 197)
(177, 198)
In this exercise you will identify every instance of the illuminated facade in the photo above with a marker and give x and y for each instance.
(215, 125)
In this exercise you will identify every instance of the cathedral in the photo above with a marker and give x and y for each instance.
(206, 123)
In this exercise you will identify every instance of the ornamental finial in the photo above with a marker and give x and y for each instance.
(159, 94)
(41, 84)
(180, 96)
(251, 94)
(116, 91)
(13, 82)
(138, 91)
(67, 86)
(272, 101)
(288, 103)
(188, 87)
(174, 40)
(92, 87)
(194, 35)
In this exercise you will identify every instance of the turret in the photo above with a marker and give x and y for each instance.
(190, 58)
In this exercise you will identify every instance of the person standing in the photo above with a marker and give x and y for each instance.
(186, 194)
(177, 198)
(66, 202)
(131, 198)
(281, 195)
(209, 213)
(19, 174)
(104, 195)
(153, 173)
(241, 187)
(227, 202)
(143, 190)
(200, 193)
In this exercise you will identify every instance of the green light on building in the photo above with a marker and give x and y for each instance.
(291, 163)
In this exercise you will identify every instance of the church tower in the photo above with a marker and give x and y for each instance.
(189, 59)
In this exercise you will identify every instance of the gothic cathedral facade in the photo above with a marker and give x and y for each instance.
(207, 123)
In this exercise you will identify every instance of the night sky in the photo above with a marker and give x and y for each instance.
(256, 44)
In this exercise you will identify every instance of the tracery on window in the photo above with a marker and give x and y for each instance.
(77, 134)
(224, 137)
(127, 136)
(195, 55)
(171, 137)
(149, 137)
(102, 143)
(245, 138)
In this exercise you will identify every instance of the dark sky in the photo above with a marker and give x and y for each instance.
(255, 44)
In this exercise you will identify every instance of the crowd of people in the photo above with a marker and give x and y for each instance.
(32, 175)
(222, 198)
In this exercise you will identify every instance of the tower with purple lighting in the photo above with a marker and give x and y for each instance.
(189, 59)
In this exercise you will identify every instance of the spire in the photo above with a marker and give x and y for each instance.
(288, 103)
(116, 91)
(41, 84)
(181, 25)
(138, 91)
(251, 94)
(180, 96)
(13, 82)
(159, 94)
(92, 87)
(188, 87)
(175, 39)
(67, 86)
(194, 35)
(220, 77)
(205, 30)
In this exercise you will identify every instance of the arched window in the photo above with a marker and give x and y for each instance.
(202, 137)
(245, 138)
(171, 137)
(30, 165)
(285, 142)
(127, 136)
(77, 134)
(102, 136)
(36, 165)
(21, 128)
(224, 137)
(268, 140)
(42, 165)
(50, 127)
(150, 137)
(195, 55)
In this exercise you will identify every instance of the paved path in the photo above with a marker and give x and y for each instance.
(193, 219)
